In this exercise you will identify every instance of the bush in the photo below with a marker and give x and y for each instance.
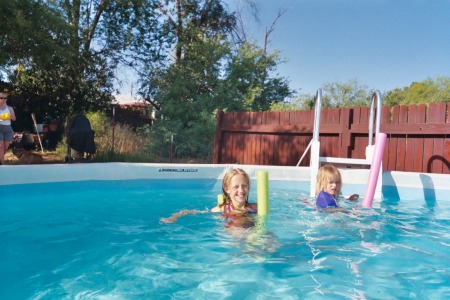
(114, 143)
(120, 143)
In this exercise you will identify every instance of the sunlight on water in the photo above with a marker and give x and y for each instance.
(104, 240)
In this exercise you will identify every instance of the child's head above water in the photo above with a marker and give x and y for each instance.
(329, 180)
(234, 180)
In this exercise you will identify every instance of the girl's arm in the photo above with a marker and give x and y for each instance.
(218, 208)
(334, 209)
(12, 113)
(307, 201)
(173, 218)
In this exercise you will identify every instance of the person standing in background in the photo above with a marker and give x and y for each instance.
(6, 132)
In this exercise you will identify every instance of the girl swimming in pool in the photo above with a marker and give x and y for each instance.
(328, 189)
(235, 189)
(239, 214)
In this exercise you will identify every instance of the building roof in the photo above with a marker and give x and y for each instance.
(128, 100)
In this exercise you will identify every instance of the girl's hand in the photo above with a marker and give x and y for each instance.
(353, 197)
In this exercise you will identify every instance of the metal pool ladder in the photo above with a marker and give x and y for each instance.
(314, 144)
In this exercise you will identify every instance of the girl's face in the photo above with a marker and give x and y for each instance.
(332, 186)
(238, 190)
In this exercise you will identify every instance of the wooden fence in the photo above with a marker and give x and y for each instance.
(418, 136)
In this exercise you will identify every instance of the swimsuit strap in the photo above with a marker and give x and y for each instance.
(251, 206)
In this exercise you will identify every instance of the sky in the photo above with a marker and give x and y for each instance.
(383, 44)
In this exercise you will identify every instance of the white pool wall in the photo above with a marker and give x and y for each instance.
(354, 179)
(21, 174)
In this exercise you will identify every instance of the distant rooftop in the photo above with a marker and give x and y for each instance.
(128, 100)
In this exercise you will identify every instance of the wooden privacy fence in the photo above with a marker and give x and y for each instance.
(418, 136)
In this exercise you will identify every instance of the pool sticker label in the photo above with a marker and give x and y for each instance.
(178, 170)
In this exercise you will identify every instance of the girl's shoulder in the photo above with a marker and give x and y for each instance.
(324, 200)
(217, 208)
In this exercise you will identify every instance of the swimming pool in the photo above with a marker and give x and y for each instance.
(93, 231)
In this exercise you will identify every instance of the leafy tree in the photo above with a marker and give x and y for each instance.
(61, 56)
(182, 25)
(350, 94)
(65, 53)
(248, 82)
(427, 91)
(207, 72)
(300, 102)
(334, 94)
(33, 37)
(29, 31)
(187, 95)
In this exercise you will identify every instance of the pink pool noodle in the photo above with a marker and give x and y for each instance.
(380, 142)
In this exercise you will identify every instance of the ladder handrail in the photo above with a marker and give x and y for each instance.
(376, 102)
(318, 108)
(315, 143)
(376, 97)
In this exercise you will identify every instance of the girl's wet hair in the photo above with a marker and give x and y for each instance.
(326, 174)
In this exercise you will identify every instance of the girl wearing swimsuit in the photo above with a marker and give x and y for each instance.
(235, 207)
(235, 189)
(328, 189)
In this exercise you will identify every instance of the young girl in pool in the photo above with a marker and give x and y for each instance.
(235, 189)
(328, 189)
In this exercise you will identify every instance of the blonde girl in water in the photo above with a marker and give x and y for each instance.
(235, 189)
(6, 132)
(328, 189)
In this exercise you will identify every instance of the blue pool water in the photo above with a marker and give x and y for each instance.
(104, 239)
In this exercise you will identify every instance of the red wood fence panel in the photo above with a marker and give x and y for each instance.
(418, 136)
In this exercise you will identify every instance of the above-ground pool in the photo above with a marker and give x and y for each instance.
(64, 237)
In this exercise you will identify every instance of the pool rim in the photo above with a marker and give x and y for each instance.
(392, 180)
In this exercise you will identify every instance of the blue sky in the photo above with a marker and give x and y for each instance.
(384, 44)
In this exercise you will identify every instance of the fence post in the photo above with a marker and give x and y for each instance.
(218, 137)
(345, 137)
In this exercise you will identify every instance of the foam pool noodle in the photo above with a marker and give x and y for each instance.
(262, 178)
(220, 199)
(380, 142)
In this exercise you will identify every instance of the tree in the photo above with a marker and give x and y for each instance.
(29, 31)
(249, 85)
(301, 101)
(33, 40)
(188, 93)
(65, 53)
(334, 94)
(350, 94)
(427, 91)
(208, 72)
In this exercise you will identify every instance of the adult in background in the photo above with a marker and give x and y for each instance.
(6, 132)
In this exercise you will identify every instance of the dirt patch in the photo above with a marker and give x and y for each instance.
(50, 157)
